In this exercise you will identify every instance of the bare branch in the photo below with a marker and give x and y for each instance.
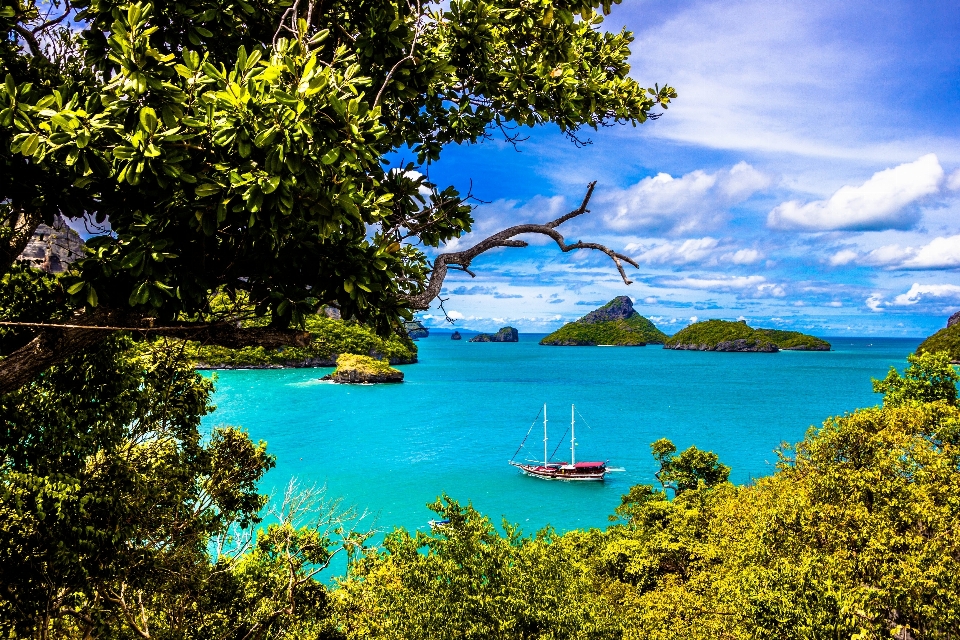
(413, 45)
(31, 41)
(461, 259)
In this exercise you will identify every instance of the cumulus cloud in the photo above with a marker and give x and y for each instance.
(473, 291)
(718, 283)
(939, 253)
(882, 202)
(678, 205)
(506, 295)
(704, 250)
(953, 182)
(921, 292)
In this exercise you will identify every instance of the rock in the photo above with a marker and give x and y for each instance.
(331, 312)
(53, 249)
(954, 319)
(415, 329)
(506, 334)
(571, 342)
(455, 336)
(354, 369)
(739, 345)
(620, 308)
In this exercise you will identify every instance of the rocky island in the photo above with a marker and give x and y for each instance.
(725, 335)
(947, 339)
(353, 369)
(415, 329)
(455, 335)
(615, 323)
(506, 334)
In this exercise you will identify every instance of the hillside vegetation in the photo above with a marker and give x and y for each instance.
(947, 340)
(615, 323)
(331, 337)
(724, 335)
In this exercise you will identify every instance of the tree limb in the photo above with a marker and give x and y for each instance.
(23, 229)
(462, 259)
(55, 343)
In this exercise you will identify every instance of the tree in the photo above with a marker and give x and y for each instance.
(243, 147)
(928, 378)
(689, 469)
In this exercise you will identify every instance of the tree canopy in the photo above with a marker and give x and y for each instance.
(245, 147)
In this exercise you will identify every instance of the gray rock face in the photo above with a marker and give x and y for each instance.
(954, 319)
(571, 343)
(620, 308)
(415, 329)
(740, 345)
(456, 336)
(506, 334)
(52, 249)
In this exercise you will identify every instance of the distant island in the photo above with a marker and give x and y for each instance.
(725, 335)
(616, 323)
(947, 339)
(506, 334)
(415, 329)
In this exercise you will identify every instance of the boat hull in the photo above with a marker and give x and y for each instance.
(557, 472)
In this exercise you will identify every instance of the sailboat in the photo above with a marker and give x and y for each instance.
(588, 471)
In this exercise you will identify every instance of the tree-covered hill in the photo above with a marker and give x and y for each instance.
(724, 335)
(947, 339)
(615, 323)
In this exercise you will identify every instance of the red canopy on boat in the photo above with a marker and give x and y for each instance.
(589, 465)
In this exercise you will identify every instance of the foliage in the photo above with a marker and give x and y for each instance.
(364, 365)
(688, 470)
(928, 378)
(635, 330)
(947, 339)
(468, 581)
(27, 294)
(713, 332)
(330, 337)
(243, 145)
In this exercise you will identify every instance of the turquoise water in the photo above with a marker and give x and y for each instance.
(464, 409)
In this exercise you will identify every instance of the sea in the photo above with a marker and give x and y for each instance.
(466, 408)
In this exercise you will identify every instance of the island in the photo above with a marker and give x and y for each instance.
(505, 334)
(726, 335)
(415, 329)
(353, 369)
(331, 337)
(947, 339)
(616, 323)
(455, 335)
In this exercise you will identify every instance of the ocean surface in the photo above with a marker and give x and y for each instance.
(465, 408)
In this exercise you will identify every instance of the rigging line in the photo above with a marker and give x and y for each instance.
(528, 433)
(558, 444)
(584, 419)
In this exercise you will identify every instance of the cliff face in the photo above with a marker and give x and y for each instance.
(615, 323)
(52, 249)
(506, 334)
(415, 329)
(947, 339)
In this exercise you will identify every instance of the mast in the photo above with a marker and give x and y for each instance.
(573, 439)
(545, 434)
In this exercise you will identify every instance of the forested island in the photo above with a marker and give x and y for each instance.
(725, 335)
(946, 340)
(615, 324)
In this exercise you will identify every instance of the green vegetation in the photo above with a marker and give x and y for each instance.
(853, 536)
(947, 340)
(354, 368)
(738, 336)
(632, 331)
(330, 338)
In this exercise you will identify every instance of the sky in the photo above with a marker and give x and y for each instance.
(807, 177)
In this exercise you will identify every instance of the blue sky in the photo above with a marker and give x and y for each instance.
(807, 177)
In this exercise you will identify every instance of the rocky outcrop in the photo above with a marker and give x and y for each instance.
(53, 249)
(954, 319)
(506, 334)
(353, 369)
(302, 363)
(739, 345)
(456, 336)
(415, 329)
(620, 308)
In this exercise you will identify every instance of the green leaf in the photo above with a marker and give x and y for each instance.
(30, 145)
(75, 288)
(207, 189)
(148, 119)
(330, 156)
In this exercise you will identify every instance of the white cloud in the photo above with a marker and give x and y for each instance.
(454, 315)
(953, 182)
(879, 203)
(843, 257)
(666, 204)
(718, 283)
(940, 253)
(922, 292)
(743, 256)
(685, 252)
